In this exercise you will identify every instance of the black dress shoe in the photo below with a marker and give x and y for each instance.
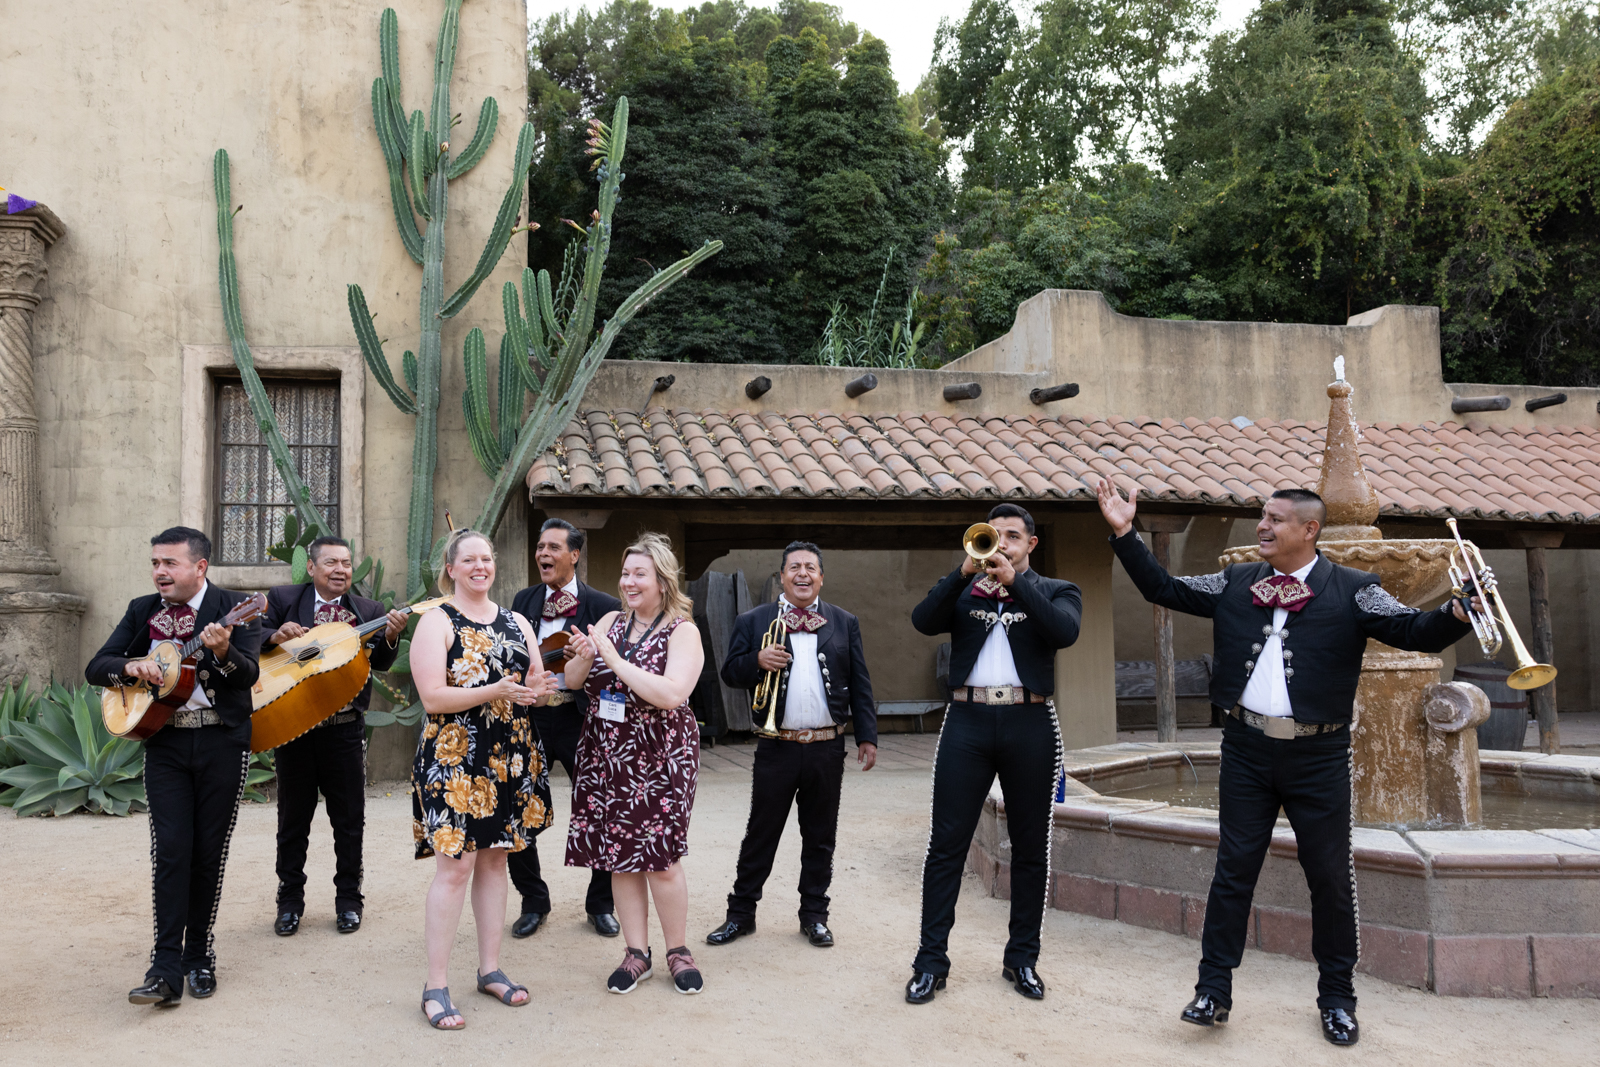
(818, 934)
(288, 923)
(1339, 1026)
(922, 986)
(1204, 1010)
(1025, 980)
(157, 991)
(730, 932)
(202, 982)
(348, 922)
(605, 925)
(527, 923)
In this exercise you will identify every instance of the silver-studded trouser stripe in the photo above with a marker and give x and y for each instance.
(222, 861)
(1050, 825)
(1355, 901)
(933, 788)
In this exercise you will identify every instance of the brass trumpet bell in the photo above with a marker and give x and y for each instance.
(1471, 577)
(980, 542)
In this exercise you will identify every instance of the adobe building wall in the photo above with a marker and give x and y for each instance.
(113, 113)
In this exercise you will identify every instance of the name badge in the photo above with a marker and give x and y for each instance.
(613, 707)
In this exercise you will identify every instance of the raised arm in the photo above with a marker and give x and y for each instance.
(937, 612)
(1385, 618)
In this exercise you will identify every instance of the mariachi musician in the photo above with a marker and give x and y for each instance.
(194, 767)
(329, 758)
(819, 682)
(1005, 625)
(1289, 634)
(560, 603)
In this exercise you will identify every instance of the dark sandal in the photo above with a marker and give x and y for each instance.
(486, 980)
(441, 996)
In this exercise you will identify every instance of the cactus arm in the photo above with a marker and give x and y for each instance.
(372, 349)
(233, 318)
(488, 118)
(519, 342)
(390, 140)
(475, 404)
(389, 49)
(512, 386)
(408, 365)
(418, 169)
(500, 233)
(444, 64)
(517, 333)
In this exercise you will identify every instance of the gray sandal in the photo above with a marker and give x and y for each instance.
(442, 996)
(486, 980)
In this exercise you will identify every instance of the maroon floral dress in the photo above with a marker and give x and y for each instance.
(635, 779)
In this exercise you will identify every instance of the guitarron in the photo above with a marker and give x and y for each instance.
(310, 677)
(135, 711)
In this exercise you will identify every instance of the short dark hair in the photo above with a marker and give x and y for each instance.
(323, 542)
(1012, 511)
(199, 544)
(1301, 498)
(575, 536)
(800, 546)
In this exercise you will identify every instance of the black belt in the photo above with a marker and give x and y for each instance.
(557, 698)
(338, 719)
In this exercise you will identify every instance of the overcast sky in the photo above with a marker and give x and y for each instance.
(906, 25)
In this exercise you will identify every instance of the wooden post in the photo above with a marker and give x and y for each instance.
(1161, 528)
(1542, 639)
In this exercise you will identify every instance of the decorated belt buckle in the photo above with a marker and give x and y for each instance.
(1276, 726)
(804, 737)
(1000, 694)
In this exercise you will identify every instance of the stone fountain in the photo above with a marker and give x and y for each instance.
(1414, 743)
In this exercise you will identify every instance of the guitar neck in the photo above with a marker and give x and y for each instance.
(380, 622)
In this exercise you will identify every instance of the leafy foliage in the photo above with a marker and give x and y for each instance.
(18, 704)
(873, 340)
(263, 769)
(70, 761)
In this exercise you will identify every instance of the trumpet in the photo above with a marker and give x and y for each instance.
(981, 542)
(1467, 567)
(767, 691)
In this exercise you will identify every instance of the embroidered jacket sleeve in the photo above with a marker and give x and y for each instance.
(1385, 618)
(383, 654)
(106, 666)
(1057, 615)
(242, 665)
(1190, 595)
(937, 612)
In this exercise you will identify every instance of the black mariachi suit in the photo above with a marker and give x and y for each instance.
(1020, 743)
(1309, 777)
(559, 728)
(193, 779)
(329, 758)
(789, 772)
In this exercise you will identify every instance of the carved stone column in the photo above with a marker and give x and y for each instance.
(38, 623)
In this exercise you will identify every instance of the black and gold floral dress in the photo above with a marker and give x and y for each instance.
(479, 779)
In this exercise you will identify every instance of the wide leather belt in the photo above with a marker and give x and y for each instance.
(338, 719)
(1281, 727)
(996, 694)
(556, 699)
(194, 718)
(806, 737)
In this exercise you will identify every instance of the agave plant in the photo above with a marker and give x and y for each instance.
(263, 768)
(18, 703)
(71, 761)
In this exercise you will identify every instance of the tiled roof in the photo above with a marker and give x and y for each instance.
(1425, 470)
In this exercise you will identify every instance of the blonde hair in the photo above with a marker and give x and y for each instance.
(658, 550)
(452, 549)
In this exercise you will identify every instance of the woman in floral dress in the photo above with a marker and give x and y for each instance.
(479, 788)
(639, 758)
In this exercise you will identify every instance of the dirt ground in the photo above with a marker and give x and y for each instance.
(77, 931)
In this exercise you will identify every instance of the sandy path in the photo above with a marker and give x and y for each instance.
(78, 925)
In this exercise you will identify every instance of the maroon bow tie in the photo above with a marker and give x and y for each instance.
(1281, 591)
(988, 587)
(806, 620)
(173, 620)
(332, 612)
(560, 606)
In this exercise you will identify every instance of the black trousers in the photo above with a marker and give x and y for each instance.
(1021, 744)
(785, 773)
(193, 780)
(330, 760)
(558, 729)
(1309, 777)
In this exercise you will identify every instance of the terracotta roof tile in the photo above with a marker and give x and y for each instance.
(1420, 470)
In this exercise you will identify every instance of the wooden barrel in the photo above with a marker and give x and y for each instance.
(1508, 707)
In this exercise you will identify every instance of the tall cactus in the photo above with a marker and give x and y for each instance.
(233, 317)
(416, 151)
(552, 351)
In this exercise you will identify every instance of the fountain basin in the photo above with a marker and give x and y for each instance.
(1471, 912)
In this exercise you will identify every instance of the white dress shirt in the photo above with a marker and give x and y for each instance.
(1267, 692)
(995, 665)
(197, 697)
(550, 626)
(805, 703)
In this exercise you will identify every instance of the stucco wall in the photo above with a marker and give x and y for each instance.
(113, 111)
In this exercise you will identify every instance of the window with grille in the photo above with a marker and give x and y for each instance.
(252, 499)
